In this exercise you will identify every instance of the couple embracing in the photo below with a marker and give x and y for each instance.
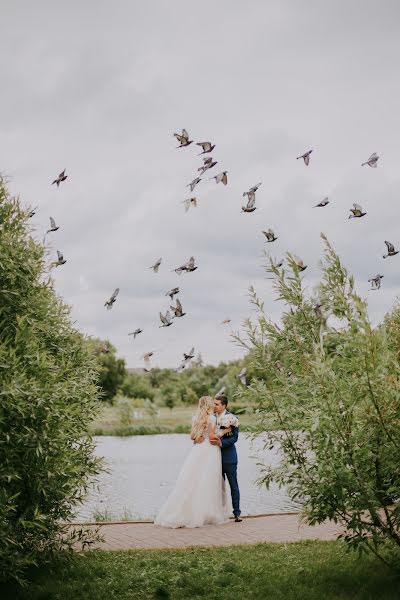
(199, 497)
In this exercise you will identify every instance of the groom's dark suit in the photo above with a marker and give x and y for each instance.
(229, 465)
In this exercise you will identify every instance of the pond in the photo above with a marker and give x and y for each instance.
(143, 470)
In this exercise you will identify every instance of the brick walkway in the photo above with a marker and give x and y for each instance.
(267, 528)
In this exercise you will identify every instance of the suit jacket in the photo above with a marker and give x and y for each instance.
(228, 449)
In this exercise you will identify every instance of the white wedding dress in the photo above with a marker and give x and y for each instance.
(198, 497)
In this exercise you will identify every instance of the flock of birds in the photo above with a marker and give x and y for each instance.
(188, 267)
(167, 319)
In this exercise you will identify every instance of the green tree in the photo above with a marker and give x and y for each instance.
(169, 395)
(189, 396)
(48, 397)
(330, 384)
(137, 385)
(112, 371)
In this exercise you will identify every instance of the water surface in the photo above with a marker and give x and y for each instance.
(143, 470)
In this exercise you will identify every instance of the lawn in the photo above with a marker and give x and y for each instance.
(298, 571)
(176, 420)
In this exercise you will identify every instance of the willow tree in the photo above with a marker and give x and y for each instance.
(48, 396)
(328, 385)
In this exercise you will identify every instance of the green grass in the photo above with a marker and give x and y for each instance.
(298, 571)
(177, 420)
(105, 516)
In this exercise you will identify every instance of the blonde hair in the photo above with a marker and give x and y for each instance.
(205, 408)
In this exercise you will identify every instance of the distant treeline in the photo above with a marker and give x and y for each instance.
(164, 386)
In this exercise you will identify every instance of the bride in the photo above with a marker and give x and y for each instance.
(198, 497)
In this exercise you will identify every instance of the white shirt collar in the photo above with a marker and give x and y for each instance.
(220, 415)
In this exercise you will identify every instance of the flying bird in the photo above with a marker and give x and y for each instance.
(253, 189)
(147, 364)
(305, 157)
(251, 200)
(209, 163)
(32, 212)
(186, 360)
(172, 292)
(226, 321)
(136, 332)
(178, 310)
(207, 147)
(62, 177)
(375, 282)
(221, 177)
(60, 260)
(242, 376)
(206, 167)
(188, 267)
(190, 202)
(357, 211)
(156, 265)
(165, 320)
(299, 263)
(113, 298)
(53, 226)
(372, 161)
(183, 139)
(391, 250)
(270, 235)
(323, 202)
(279, 264)
(189, 355)
(193, 183)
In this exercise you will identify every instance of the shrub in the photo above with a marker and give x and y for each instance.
(125, 411)
(329, 370)
(48, 396)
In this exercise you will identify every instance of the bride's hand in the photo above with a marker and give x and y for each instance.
(215, 441)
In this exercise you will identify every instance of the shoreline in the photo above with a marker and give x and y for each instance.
(150, 521)
(135, 430)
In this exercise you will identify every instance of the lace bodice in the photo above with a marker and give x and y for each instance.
(213, 420)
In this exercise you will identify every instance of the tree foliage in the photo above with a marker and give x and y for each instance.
(48, 395)
(112, 371)
(328, 371)
(169, 388)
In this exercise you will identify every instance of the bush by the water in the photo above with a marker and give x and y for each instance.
(329, 370)
(48, 397)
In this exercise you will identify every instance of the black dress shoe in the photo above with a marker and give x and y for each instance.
(238, 519)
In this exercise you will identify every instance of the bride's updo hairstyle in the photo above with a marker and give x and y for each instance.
(205, 408)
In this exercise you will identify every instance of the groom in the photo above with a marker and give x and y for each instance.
(229, 455)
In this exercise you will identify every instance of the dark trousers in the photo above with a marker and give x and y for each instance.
(230, 470)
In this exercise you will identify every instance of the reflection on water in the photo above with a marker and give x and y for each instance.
(143, 470)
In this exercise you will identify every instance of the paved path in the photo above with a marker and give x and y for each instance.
(267, 528)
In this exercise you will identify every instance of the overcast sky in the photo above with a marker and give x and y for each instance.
(99, 88)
